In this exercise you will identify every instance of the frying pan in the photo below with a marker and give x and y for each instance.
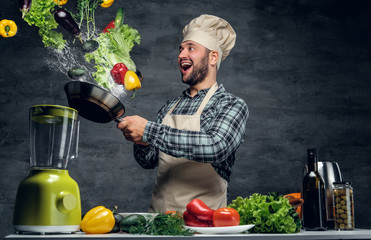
(94, 103)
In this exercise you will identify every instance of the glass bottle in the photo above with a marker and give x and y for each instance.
(343, 205)
(313, 192)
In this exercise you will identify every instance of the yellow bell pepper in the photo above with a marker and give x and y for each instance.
(98, 220)
(60, 2)
(132, 82)
(107, 3)
(8, 28)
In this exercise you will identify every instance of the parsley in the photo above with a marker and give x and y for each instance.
(162, 224)
(86, 11)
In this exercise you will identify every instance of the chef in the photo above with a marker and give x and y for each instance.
(194, 139)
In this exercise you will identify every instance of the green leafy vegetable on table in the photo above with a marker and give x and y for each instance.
(270, 213)
(161, 224)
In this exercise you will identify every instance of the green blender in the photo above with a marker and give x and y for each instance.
(48, 199)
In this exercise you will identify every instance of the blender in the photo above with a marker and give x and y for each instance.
(48, 199)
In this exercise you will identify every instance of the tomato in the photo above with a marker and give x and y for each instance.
(224, 217)
(174, 213)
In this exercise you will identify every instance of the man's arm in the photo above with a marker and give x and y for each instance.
(224, 135)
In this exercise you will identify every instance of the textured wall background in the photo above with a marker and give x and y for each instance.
(303, 67)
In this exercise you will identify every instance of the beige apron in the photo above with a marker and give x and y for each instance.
(180, 180)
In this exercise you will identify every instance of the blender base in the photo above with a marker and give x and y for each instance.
(47, 229)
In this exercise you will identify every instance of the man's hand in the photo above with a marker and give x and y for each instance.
(133, 128)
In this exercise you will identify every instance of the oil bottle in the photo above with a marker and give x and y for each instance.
(313, 192)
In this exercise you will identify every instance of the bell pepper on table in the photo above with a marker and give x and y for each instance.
(8, 28)
(192, 221)
(107, 3)
(200, 210)
(98, 220)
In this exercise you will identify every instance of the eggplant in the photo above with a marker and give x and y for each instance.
(65, 20)
(24, 6)
(139, 74)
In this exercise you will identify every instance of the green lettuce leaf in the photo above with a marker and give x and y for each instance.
(40, 15)
(269, 213)
(114, 47)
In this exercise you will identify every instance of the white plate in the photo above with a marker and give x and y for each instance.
(221, 230)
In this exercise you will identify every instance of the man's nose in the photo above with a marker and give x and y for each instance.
(182, 54)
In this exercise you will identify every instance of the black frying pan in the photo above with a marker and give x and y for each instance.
(93, 103)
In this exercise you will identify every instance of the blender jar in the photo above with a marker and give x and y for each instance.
(48, 199)
(54, 135)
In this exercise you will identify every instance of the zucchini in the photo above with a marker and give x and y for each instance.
(133, 220)
(90, 46)
(76, 72)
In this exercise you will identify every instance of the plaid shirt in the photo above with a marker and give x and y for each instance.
(223, 122)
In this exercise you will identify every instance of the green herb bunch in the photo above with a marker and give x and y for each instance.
(86, 11)
(162, 224)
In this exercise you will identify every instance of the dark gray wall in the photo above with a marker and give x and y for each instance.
(303, 67)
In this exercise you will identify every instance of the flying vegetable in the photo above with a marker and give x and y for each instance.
(24, 6)
(60, 2)
(8, 28)
(107, 3)
(65, 20)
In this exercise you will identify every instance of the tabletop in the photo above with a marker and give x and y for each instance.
(302, 235)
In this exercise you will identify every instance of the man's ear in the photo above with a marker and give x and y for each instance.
(213, 57)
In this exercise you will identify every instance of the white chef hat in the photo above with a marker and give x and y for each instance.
(212, 32)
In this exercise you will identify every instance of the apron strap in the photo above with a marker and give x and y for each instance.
(209, 94)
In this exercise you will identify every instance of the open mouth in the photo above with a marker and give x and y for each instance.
(185, 66)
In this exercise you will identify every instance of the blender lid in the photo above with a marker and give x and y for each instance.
(46, 113)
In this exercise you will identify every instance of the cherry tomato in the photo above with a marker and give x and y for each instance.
(224, 217)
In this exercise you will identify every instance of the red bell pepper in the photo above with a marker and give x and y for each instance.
(118, 73)
(192, 221)
(111, 25)
(200, 210)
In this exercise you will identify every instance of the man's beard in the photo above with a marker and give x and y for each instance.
(199, 72)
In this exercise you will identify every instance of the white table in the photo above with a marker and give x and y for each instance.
(303, 235)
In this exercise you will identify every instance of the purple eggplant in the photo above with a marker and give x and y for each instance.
(65, 20)
(24, 6)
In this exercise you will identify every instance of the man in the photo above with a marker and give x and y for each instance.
(195, 136)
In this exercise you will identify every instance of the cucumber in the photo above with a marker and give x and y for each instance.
(118, 219)
(76, 72)
(90, 46)
(133, 220)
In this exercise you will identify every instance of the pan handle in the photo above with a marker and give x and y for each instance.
(118, 120)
